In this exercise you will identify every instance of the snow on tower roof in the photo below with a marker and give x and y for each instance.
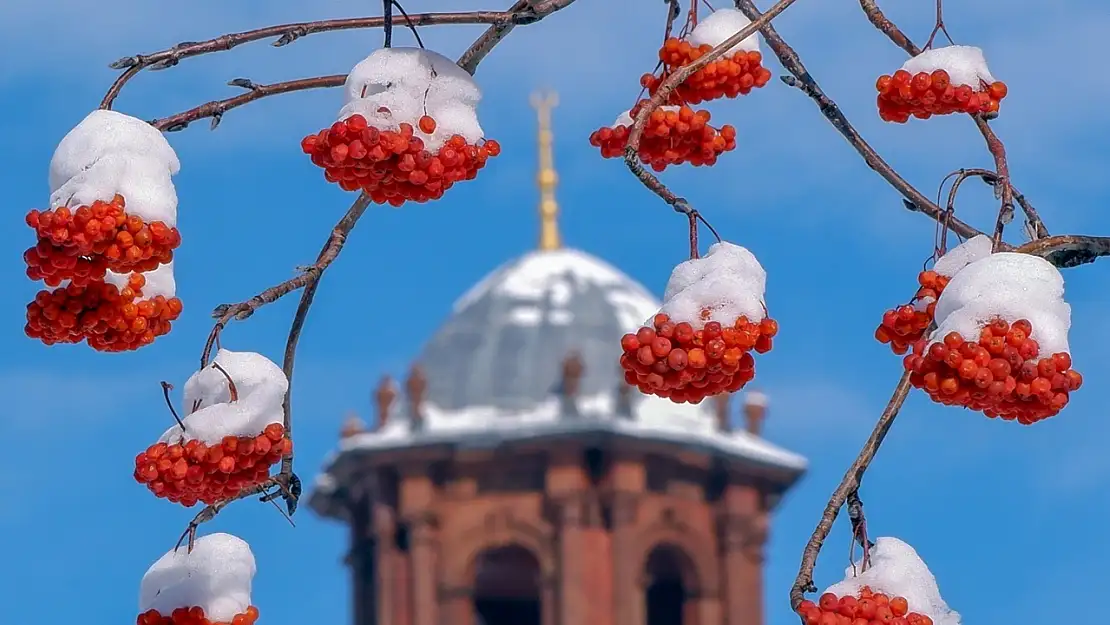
(494, 366)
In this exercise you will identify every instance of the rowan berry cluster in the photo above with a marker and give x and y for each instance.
(194, 616)
(870, 608)
(393, 167)
(194, 471)
(923, 95)
(81, 244)
(727, 77)
(672, 136)
(1000, 375)
(685, 365)
(108, 318)
(903, 326)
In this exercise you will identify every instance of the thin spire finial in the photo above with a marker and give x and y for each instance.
(547, 178)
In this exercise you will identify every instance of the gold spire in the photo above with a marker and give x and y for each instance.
(547, 178)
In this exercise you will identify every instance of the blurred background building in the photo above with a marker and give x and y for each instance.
(513, 478)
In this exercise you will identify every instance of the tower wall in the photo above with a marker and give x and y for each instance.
(590, 519)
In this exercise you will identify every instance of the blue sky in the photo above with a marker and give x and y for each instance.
(980, 500)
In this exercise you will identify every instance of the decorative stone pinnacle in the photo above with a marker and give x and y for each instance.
(415, 386)
(721, 411)
(352, 425)
(384, 397)
(624, 399)
(572, 375)
(755, 411)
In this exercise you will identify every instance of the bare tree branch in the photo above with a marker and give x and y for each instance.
(1068, 250)
(535, 11)
(288, 33)
(850, 484)
(217, 108)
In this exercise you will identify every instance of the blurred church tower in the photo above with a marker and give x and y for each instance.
(514, 479)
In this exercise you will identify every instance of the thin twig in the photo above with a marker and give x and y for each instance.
(387, 14)
(409, 24)
(673, 11)
(859, 529)
(531, 12)
(232, 392)
(693, 234)
(939, 27)
(330, 252)
(1002, 183)
(803, 583)
(166, 388)
(521, 13)
(210, 512)
(217, 108)
(224, 313)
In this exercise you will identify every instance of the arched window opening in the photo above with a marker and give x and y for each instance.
(668, 573)
(507, 587)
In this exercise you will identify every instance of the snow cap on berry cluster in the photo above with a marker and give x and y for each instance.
(721, 24)
(971, 250)
(957, 258)
(110, 153)
(216, 577)
(401, 85)
(159, 281)
(728, 282)
(259, 384)
(896, 570)
(1011, 286)
(965, 65)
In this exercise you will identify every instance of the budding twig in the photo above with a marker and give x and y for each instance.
(255, 91)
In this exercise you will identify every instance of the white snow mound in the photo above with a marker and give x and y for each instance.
(401, 85)
(971, 250)
(1011, 286)
(728, 280)
(956, 259)
(896, 570)
(261, 386)
(721, 24)
(110, 153)
(965, 65)
(216, 577)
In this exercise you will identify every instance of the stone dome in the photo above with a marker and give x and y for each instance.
(501, 350)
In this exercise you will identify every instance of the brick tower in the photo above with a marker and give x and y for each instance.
(514, 479)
